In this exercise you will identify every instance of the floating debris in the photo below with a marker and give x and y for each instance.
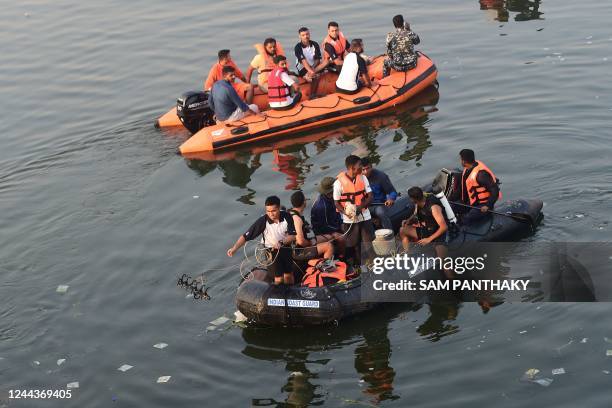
(211, 328)
(36, 362)
(531, 373)
(608, 353)
(61, 361)
(164, 379)
(531, 376)
(523, 332)
(606, 372)
(62, 288)
(590, 37)
(196, 196)
(544, 382)
(125, 367)
(72, 385)
(558, 371)
(564, 346)
(539, 29)
(584, 340)
(219, 321)
(607, 339)
(160, 345)
(239, 317)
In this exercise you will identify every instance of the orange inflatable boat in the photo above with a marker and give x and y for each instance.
(310, 114)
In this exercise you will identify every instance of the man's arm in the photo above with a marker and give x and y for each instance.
(253, 232)
(210, 79)
(437, 214)
(485, 180)
(414, 38)
(236, 99)
(331, 53)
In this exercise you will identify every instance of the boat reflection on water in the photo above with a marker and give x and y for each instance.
(291, 157)
(525, 9)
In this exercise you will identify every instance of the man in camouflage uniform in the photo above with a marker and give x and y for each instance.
(400, 47)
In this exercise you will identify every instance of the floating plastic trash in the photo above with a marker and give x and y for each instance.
(125, 367)
(36, 362)
(211, 328)
(61, 361)
(239, 317)
(219, 321)
(606, 372)
(558, 371)
(196, 196)
(584, 340)
(532, 376)
(609, 353)
(164, 379)
(523, 332)
(531, 373)
(72, 385)
(62, 288)
(160, 345)
(544, 382)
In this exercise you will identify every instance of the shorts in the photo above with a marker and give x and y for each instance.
(282, 262)
(425, 233)
(304, 254)
(359, 232)
(239, 114)
(344, 91)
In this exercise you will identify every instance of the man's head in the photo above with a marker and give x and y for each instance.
(304, 34)
(333, 29)
(357, 45)
(467, 158)
(326, 186)
(367, 166)
(298, 200)
(229, 73)
(224, 56)
(416, 196)
(353, 165)
(270, 46)
(398, 21)
(280, 61)
(273, 208)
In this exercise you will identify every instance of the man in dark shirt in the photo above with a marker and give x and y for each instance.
(383, 190)
(225, 102)
(308, 60)
(325, 220)
(479, 187)
(277, 233)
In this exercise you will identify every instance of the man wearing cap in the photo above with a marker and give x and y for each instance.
(325, 220)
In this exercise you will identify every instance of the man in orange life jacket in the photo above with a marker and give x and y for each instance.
(335, 48)
(263, 62)
(352, 196)
(479, 187)
(280, 85)
(244, 90)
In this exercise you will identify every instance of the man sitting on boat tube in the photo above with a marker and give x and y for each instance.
(277, 233)
(226, 103)
(244, 90)
(354, 73)
(280, 85)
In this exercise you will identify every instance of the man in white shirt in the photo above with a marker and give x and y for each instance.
(352, 196)
(280, 85)
(308, 60)
(354, 73)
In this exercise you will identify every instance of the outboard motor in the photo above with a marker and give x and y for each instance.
(193, 110)
(447, 184)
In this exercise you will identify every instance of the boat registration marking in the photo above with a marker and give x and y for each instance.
(314, 304)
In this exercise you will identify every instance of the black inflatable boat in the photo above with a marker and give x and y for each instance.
(267, 304)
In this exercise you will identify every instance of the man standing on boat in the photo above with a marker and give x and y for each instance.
(277, 233)
(225, 102)
(244, 90)
(400, 47)
(479, 188)
(352, 196)
(383, 192)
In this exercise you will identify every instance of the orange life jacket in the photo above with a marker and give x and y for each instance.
(351, 192)
(477, 194)
(278, 91)
(339, 44)
(314, 277)
(270, 65)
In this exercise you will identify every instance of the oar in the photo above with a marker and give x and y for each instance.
(517, 216)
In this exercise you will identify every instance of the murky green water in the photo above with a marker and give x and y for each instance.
(93, 197)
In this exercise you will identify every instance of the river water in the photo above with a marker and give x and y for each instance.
(93, 197)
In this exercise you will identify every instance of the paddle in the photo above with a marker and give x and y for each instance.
(517, 216)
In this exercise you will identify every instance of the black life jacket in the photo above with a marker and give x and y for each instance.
(305, 225)
(425, 215)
